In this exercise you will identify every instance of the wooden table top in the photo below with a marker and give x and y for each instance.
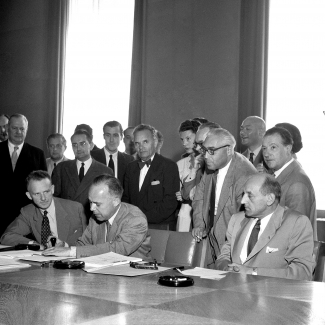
(50, 296)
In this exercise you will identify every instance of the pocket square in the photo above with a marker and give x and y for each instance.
(271, 249)
(155, 183)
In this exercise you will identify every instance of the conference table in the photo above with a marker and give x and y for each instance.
(45, 295)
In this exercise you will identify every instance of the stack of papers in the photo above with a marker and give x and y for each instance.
(19, 254)
(205, 273)
(7, 263)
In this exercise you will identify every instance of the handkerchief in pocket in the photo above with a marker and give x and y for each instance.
(271, 249)
(155, 183)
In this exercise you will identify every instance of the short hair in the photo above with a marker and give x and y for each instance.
(295, 133)
(5, 115)
(114, 186)
(271, 186)
(189, 125)
(128, 128)
(210, 126)
(55, 136)
(84, 132)
(37, 175)
(17, 115)
(85, 127)
(113, 124)
(143, 127)
(283, 133)
(225, 135)
(200, 119)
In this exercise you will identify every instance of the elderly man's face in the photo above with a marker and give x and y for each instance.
(250, 132)
(275, 153)
(3, 130)
(145, 144)
(17, 130)
(56, 148)
(41, 192)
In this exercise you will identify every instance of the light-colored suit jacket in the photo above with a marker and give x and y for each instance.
(284, 249)
(128, 235)
(67, 185)
(297, 192)
(229, 201)
(70, 219)
(50, 164)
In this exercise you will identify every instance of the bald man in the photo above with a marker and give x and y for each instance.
(252, 132)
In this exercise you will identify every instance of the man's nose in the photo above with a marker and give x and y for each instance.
(243, 200)
(43, 197)
(92, 206)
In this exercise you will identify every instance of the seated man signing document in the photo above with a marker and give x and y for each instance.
(114, 226)
(268, 239)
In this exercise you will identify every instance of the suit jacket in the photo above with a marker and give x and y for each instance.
(128, 235)
(229, 202)
(50, 166)
(67, 185)
(157, 198)
(123, 160)
(287, 231)
(297, 192)
(13, 189)
(70, 219)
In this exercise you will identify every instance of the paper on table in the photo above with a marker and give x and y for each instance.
(19, 254)
(205, 273)
(42, 259)
(7, 263)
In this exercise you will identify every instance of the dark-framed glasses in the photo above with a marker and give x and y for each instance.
(213, 150)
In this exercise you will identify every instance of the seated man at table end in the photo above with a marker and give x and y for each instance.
(268, 239)
(47, 216)
(114, 226)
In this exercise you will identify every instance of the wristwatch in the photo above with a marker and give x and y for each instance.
(254, 272)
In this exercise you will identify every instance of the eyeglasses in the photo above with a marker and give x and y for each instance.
(212, 151)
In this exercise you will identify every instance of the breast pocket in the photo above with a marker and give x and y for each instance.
(157, 191)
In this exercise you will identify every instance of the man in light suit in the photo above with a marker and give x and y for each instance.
(72, 179)
(109, 155)
(252, 131)
(18, 159)
(268, 239)
(297, 190)
(218, 195)
(66, 218)
(56, 145)
(151, 182)
(114, 227)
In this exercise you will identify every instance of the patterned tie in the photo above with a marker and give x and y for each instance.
(81, 172)
(46, 230)
(213, 198)
(253, 237)
(251, 157)
(14, 158)
(142, 163)
(111, 163)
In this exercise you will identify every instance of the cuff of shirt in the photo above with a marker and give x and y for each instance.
(73, 251)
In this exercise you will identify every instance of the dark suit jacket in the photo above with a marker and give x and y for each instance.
(123, 160)
(128, 235)
(13, 185)
(67, 185)
(297, 192)
(288, 233)
(70, 219)
(157, 198)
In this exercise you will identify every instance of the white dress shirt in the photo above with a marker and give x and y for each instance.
(114, 157)
(86, 166)
(255, 152)
(12, 148)
(143, 173)
(278, 172)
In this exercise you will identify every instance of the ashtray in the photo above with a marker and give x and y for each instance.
(175, 281)
(68, 264)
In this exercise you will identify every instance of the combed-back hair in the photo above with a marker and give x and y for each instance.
(113, 124)
(189, 125)
(114, 186)
(56, 136)
(283, 133)
(271, 185)
(84, 132)
(142, 127)
(37, 175)
(295, 133)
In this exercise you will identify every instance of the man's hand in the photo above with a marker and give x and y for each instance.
(58, 242)
(57, 251)
(239, 268)
(179, 196)
(198, 234)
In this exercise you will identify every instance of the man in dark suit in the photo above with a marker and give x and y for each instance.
(109, 155)
(114, 227)
(17, 160)
(268, 239)
(66, 218)
(219, 193)
(151, 182)
(252, 131)
(297, 190)
(72, 179)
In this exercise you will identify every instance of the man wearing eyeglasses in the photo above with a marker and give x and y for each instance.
(219, 193)
(72, 179)
(56, 145)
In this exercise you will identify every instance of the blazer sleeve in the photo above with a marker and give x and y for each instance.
(197, 204)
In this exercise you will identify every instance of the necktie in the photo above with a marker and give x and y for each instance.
(54, 165)
(142, 163)
(251, 157)
(253, 237)
(213, 198)
(108, 228)
(81, 172)
(46, 230)
(14, 158)
(111, 163)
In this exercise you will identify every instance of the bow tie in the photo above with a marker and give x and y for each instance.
(142, 163)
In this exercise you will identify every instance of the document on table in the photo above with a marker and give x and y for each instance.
(205, 273)
(42, 259)
(126, 270)
(97, 262)
(9, 263)
(20, 254)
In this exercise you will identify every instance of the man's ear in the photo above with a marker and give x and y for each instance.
(52, 189)
(29, 196)
(270, 199)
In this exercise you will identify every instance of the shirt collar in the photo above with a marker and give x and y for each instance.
(50, 209)
(224, 170)
(256, 151)
(109, 153)
(278, 172)
(150, 158)
(87, 163)
(56, 162)
(12, 146)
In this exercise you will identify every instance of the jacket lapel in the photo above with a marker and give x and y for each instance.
(149, 176)
(114, 226)
(238, 241)
(121, 165)
(38, 218)
(87, 180)
(62, 222)
(72, 173)
(286, 172)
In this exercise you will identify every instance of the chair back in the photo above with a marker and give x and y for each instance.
(175, 248)
(320, 229)
(319, 255)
